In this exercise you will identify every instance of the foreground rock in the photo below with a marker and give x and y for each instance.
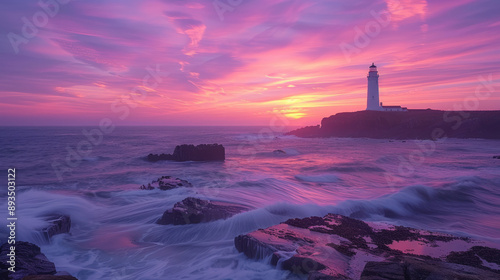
(49, 277)
(202, 152)
(339, 247)
(29, 260)
(194, 210)
(416, 268)
(166, 183)
(413, 124)
(58, 224)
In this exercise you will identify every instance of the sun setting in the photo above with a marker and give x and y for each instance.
(250, 139)
(264, 56)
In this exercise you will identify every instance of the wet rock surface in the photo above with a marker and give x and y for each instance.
(29, 260)
(58, 224)
(202, 152)
(166, 183)
(194, 210)
(414, 268)
(49, 277)
(339, 247)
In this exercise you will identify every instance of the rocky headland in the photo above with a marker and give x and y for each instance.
(412, 124)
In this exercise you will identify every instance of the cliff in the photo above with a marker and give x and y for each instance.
(413, 124)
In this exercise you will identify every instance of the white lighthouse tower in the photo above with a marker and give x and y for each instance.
(372, 101)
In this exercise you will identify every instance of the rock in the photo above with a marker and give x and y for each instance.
(383, 270)
(308, 132)
(339, 247)
(413, 268)
(29, 261)
(58, 224)
(202, 152)
(49, 277)
(497, 157)
(194, 210)
(412, 124)
(157, 157)
(477, 256)
(166, 183)
(279, 152)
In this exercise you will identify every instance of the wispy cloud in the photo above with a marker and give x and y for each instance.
(265, 57)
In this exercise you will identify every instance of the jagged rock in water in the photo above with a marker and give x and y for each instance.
(279, 152)
(497, 157)
(166, 183)
(339, 247)
(202, 152)
(157, 157)
(194, 210)
(29, 260)
(58, 224)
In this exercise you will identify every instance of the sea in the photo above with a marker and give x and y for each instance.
(450, 186)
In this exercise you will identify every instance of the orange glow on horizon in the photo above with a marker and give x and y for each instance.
(244, 69)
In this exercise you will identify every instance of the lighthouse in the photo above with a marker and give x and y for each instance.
(372, 101)
(372, 98)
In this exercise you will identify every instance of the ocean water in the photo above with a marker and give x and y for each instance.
(450, 186)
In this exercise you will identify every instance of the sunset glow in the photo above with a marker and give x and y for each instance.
(242, 65)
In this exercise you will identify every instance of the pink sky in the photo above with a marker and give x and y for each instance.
(243, 65)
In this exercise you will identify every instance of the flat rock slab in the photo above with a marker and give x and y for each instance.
(339, 247)
(194, 210)
(416, 268)
(166, 183)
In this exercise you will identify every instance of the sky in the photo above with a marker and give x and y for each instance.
(239, 62)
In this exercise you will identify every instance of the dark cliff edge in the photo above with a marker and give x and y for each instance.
(412, 124)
